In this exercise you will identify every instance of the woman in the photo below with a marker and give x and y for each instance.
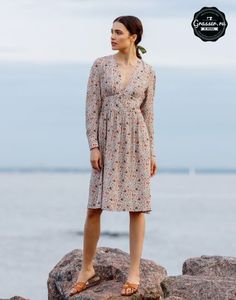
(119, 127)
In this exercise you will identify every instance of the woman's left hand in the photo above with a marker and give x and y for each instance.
(153, 166)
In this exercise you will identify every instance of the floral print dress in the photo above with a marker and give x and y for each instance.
(119, 120)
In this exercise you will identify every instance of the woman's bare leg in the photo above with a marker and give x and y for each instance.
(137, 231)
(91, 237)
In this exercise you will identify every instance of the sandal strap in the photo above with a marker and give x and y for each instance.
(79, 284)
(132, 285)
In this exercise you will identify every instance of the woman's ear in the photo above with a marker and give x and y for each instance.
(134, 37)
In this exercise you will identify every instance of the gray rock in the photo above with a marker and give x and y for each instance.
(112, 266)
(231, 294)
(197, 287)
(219, 266)
(204, 278)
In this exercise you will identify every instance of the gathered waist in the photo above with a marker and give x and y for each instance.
(121, 104)
(120, 109)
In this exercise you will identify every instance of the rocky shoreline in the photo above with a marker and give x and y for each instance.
(203, 278)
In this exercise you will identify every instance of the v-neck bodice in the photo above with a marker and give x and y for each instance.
(122, 86)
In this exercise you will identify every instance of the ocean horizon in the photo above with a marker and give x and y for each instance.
(57, 169)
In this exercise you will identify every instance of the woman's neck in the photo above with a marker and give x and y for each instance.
(129, 58)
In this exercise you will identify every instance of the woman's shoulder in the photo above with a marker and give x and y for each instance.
(97, 61)
(100, 62)
(149, 67)
(102, 59)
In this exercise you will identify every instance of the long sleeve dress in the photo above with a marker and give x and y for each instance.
(119, 120)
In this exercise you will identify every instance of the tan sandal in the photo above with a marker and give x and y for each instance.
(128, 285)
(82, 285)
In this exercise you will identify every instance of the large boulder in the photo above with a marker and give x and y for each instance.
(204, 278)
(215, 266)
(112, 266)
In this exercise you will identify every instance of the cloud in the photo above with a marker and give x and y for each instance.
(79, 30)
(10, 49)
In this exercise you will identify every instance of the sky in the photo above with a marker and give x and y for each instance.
(78, 31)
(47, 48)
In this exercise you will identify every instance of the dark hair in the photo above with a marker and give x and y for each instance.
(134, 26)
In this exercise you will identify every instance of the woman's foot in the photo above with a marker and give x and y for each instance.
(131, 285)
(84, 275)
(85, 279)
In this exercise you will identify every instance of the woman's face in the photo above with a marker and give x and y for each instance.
(120, 37)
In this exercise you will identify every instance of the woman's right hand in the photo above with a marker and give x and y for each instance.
(96, 159)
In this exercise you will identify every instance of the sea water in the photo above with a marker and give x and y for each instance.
(42, 217)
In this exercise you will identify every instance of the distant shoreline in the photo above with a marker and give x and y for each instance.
(174, 170)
